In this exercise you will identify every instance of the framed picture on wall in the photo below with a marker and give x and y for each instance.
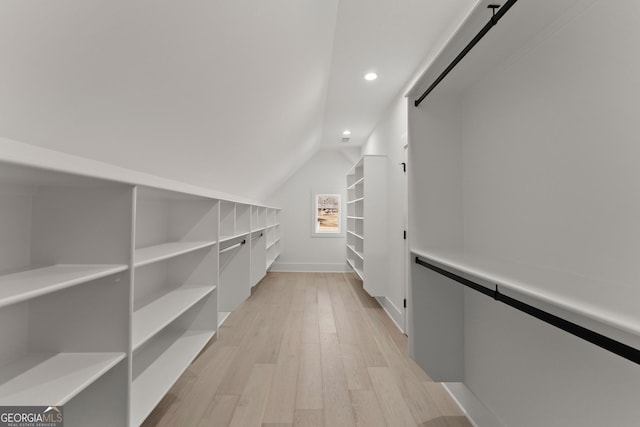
(327, 214)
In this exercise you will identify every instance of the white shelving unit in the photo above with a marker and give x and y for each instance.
(367, 223)
(273, 233)
(110, 281)
(176, 278)
(503, 191)
(65, 243)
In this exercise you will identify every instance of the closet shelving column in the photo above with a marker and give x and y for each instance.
(234, 257)
(258, 243)
(64, 294)
(175, 290)
(274, 246)
(366, 222)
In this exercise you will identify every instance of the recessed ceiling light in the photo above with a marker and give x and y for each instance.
(370, 76)
(346, 133)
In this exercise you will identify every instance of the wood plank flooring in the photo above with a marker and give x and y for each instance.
(307, 349)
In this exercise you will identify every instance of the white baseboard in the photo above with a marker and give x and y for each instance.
(394, 313)
(306, 267)
(478, 414)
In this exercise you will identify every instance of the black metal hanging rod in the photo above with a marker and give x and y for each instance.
(501, 10)
(630, 353)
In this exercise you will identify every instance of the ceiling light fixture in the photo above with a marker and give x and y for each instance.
(346, 133)
(370, 76)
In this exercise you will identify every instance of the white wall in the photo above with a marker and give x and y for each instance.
(170, 88)
(389, 138)
(325, 172)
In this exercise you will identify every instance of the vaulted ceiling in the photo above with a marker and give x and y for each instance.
(232, 95)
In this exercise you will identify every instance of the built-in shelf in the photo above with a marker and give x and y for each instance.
(164, 251)
(611, 304)
(33, 283)
(153, 317)
(354, 234)
(176, 351)
(358, 254)
(355, 270)
(366, 194)
(52, 379)
(355, 183)
(235, 236)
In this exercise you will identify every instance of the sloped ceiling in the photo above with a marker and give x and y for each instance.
(232, 95)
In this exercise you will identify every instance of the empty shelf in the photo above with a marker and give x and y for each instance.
(45, 379)
(22, 286)
(150, 385)
(164, 251)
(355, 270)
(358, 254)
(613, 304)
(235, 236)
(153, 317)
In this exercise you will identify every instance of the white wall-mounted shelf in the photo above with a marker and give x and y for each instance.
(612, 304)
(156, 315)
(233, 237)
(18, 287)
(151, 254)
(55, 379)
(173, 354)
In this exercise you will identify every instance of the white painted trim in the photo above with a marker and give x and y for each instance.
(478, 414)
(388, 305)
(304, 267)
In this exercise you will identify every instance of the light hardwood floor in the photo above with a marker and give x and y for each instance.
(307, 349)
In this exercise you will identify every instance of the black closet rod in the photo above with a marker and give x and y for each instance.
(621, 349)
(493, 21)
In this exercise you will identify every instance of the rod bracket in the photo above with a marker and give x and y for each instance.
(493, 8)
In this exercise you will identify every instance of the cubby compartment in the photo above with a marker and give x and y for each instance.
(159, 362)
(243, 218)
(258, 218)
(165, 290)
(169, 224)
(227, 219)
(58, 346)
(271, 217)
